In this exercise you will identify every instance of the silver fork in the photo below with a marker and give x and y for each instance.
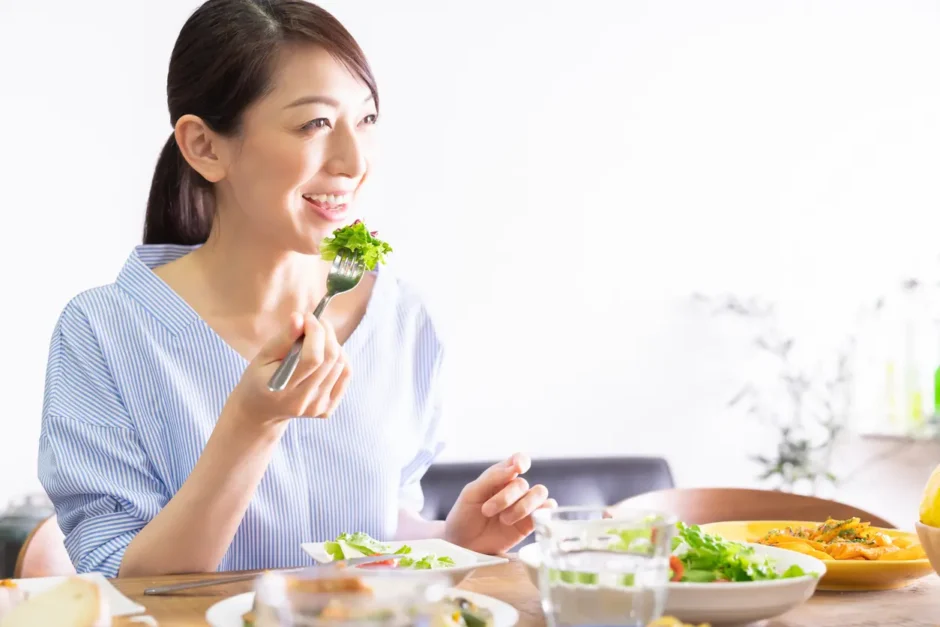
(345, 274)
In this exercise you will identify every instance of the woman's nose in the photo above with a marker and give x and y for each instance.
(347, 157)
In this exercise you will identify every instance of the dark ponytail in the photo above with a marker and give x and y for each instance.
(223, 62)
(179, 210)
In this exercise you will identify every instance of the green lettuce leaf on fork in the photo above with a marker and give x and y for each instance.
(357, 241)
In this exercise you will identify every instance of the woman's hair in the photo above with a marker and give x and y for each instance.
(223, 61)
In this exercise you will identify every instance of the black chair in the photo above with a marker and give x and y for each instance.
(585, 482)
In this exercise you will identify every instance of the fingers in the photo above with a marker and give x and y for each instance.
(496, 477)
(311, 353)
(323, 356)
(527, 524)
(277, 347)
(530, 501)
(333, 388)
(506, 497)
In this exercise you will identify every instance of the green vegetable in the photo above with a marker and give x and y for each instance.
(355, 240)
(588, 579)
(471, 619)
(632, 540)
(335, 550)
(704, 559)
(709, 558)
(369, 546)
(358, 541)
(575, 577)
(427, 562)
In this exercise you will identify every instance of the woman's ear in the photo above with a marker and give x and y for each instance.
(201, 147)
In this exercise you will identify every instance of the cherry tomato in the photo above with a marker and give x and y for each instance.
(384, 563)
(677, 568)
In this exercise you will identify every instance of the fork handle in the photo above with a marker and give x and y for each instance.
(288, 365)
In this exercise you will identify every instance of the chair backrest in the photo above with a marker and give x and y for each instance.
(707, 505)
(43, 554)
(588, 482)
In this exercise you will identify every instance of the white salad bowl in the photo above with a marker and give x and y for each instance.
(736, 603)
(465, 561)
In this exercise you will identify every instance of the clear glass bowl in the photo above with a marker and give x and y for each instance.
(323, 596)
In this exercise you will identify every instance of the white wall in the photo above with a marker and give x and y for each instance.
(618, 156)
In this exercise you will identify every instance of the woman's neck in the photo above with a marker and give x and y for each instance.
(246, 278)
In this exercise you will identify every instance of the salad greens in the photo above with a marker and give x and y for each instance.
(696, 558)
(426, 563)
(355, 240)
(360, 542)
(704, 558)
(347, 546)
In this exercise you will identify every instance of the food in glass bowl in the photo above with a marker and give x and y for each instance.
(335, 597)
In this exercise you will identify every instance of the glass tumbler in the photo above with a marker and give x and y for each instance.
(600, 569)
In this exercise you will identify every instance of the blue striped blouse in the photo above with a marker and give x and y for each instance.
(135, 383)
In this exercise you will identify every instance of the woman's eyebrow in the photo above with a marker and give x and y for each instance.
(324, 100)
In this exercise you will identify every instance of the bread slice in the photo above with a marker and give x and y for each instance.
(75, 602)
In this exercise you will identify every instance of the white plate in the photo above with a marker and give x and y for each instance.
(465, 561)
(718, 603)
(228, 613)
(119, 604)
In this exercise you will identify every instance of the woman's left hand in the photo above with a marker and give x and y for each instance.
(494, 513)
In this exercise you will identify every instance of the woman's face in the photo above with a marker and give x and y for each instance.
(292, 174)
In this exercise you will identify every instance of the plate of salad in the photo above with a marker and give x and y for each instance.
(412, 556)
(712, 580)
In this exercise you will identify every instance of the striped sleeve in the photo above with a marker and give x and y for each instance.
(91, 462)
(431, 439)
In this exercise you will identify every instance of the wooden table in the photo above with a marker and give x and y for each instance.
(916, 606)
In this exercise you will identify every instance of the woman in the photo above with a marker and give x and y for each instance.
(161, 446)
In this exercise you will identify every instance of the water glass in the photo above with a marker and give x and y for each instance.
(601, 569)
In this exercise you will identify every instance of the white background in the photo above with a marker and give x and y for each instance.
(557, 178)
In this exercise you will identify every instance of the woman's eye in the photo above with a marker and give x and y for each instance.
(372, 118)
(317, 123)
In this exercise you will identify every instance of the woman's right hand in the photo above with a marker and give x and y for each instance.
(314, 390)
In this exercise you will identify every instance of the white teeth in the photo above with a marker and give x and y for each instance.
(329, 199)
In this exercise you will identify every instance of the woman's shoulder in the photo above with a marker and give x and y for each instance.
(79, 376)
(94, 306)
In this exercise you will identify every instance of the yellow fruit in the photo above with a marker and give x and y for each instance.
(930, 503)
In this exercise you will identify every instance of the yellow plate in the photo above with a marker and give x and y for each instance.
(840, 574)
